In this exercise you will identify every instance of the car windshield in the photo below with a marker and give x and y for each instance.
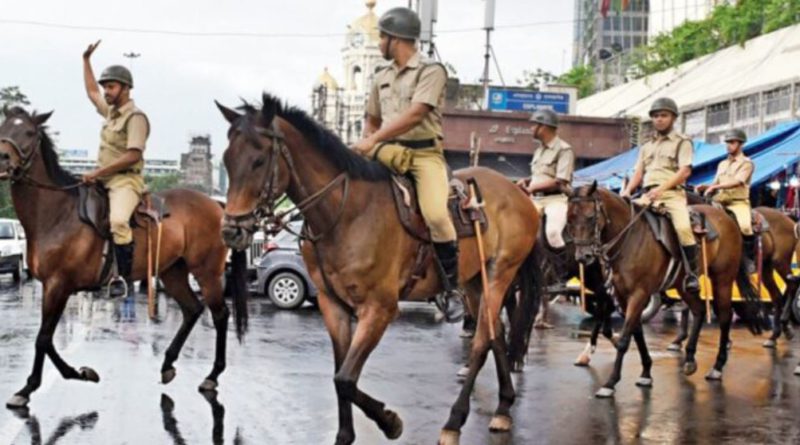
(6, 230)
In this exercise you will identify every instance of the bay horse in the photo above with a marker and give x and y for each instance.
(778, 245)
(358, 253)
(604, 228)
(66, 255)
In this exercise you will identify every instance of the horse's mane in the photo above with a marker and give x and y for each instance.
(323, 140)
(55, 171)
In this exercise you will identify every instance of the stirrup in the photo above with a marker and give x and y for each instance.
(111, 284)
(453, 312)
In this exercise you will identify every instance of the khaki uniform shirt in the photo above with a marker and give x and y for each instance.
(394, 89)
(662, 156)
(125, 128)
(554, 161)
(740, 169)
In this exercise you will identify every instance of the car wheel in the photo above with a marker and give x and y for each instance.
(652, 308)
(19, 272)
(286, 290)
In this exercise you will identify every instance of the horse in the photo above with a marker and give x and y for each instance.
(604, 228)
(778, 245)
(359, 254)
(66, 255)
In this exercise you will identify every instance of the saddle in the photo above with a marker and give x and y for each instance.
(93, 208)
(405, 198)
(665, 233)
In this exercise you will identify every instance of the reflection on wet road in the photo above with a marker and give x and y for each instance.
(278, 387)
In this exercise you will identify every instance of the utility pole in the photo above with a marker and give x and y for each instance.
(488, 26)
(428, 15)
(131, 56)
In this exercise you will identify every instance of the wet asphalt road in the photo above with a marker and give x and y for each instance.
(278, 388)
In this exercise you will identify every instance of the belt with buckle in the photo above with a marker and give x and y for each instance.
(416, 145)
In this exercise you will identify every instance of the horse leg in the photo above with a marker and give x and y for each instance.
(372, 323)
(603, 323)
(633, 313)
(768, 278)
(722, 297)
(473, 290)
(211, 288)
(698, 309)
(338, 323)
(176, 284)
(53, 303)
(646, 379)
(501, 277)
(683, 332)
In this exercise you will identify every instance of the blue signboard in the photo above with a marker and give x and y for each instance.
(516, 100)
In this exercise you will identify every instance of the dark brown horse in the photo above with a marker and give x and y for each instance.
(604, 228)
(66, 255)
(779, 244)
(359, 255)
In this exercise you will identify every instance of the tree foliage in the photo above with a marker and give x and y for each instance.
(164, 182)
(727, 25)
(9, 96)
(580, 77)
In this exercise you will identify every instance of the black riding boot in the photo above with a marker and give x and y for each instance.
(124, 256)
(749, 253)
(691, 283)
(451, 301)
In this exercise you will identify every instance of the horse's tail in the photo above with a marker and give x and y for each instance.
(751, 314)
(239, 291)
(526, 308)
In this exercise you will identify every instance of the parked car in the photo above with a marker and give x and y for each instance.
(13, 252)
(282, 274)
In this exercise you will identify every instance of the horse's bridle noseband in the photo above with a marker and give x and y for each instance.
(264, 215)
(21, 171)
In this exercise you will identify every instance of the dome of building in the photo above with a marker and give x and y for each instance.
(367, 23)
(326, 79)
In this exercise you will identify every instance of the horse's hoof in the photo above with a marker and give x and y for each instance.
(500, 424)
(466, 333)
(582, 360)
(714, 375)
(769, 344)
(644, 382)
(394, 428)
(604, 393)
(17, 401)
(89, 374)
(345, 439)
(689, 368)
(448, 437)
(797, 370)
(674, 347)
(168, 375)
(207, 385)
(463, 372)
(788, 333)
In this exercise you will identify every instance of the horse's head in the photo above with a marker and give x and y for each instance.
(257, 171)
(20, 134)
(586, 219)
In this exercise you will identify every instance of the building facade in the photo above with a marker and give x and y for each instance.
(606, 43)
(341, 105)
(78, 162)
(666, 15)
(196, 169)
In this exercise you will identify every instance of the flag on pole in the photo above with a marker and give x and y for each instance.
(625, 4)
(617, 5)
(604, 5)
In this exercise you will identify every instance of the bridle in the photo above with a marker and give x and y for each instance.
(264, 213)
(600, 250)
(20, 173)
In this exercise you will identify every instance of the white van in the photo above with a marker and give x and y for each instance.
(13, 253)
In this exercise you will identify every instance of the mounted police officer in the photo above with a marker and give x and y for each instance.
(551, 175)
(120, 162)
(731, 189)
(665, 163)
(404, 132)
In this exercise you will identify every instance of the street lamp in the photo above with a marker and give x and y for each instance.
(130, 56)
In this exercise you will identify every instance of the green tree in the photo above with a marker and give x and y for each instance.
(164, 182)
(9, 96)
(537, 79)
(580, 77)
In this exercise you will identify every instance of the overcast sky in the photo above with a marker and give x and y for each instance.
(178, 76)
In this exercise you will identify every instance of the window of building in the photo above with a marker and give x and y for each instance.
(719, 115)
(746, 109)
(694, 124)
(777, 101)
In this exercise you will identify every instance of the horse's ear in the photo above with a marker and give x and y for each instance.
(5, 110)
(269, 109)
(230, 115)
(40, 119)
(592, 188)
